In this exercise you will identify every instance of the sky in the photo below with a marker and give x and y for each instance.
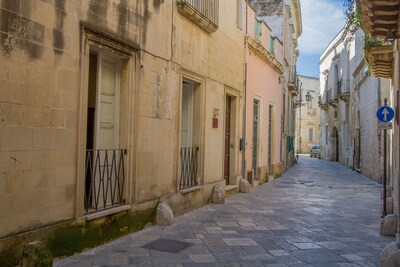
(322, 20)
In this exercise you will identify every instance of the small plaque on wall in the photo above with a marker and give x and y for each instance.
(215, 123)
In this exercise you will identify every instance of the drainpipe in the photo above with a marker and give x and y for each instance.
(245, 98)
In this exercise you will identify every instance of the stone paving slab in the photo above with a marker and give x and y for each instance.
(317, 214)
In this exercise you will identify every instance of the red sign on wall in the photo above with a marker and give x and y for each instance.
(215, 123)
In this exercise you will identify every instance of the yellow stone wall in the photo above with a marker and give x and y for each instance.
(42, 112)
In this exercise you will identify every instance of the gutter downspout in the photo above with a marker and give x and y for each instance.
(245, 96)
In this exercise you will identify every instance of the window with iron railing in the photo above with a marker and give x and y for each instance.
(105, 179)
(204, 13)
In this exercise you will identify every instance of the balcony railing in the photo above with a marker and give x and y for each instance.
(332, 97)
(204, 13)
(345, 87)
(189, 163)
(323, 101)
(105, 179)
(344, 92)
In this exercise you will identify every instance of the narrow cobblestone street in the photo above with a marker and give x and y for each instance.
(317, 214)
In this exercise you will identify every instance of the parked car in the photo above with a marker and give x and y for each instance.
(315, 151)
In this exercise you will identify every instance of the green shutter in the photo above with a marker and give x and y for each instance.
(271, 45)
(257, 33)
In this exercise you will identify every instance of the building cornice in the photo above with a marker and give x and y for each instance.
(264, 54)
(380, 18)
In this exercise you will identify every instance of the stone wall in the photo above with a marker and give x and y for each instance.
(45, 49)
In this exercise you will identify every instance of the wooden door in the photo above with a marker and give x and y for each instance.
(227, 137)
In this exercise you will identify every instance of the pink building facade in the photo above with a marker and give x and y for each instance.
(265, 103)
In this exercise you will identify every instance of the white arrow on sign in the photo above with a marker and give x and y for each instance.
(385, 112)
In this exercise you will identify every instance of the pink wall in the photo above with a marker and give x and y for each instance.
(263, 84)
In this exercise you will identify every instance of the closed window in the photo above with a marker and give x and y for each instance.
(310, 134)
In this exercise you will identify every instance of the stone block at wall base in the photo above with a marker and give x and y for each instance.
(390, 256)
(217, 196)
(244, 186)
(389, 225)
(164, 214)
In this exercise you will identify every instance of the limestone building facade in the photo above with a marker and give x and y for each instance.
(350, 97)
(307, 115)
(111, 106)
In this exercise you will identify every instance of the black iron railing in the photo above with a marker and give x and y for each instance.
(345, 87)
(323, 99)
(188, 167)
(338, 86)
(105, 179)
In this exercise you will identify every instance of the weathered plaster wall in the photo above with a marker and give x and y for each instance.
(40, 91)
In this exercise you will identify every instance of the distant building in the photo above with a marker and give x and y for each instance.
(307, 115)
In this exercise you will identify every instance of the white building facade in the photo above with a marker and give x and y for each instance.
(349, 99)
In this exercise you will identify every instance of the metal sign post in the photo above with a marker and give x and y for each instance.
(384, 114)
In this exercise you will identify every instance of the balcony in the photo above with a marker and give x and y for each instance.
(203, 13)
(332, 97)
(344, 90)
(380, 60)
(293, 81)
(323, 101)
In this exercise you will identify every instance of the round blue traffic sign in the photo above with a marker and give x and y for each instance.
(385, 113)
